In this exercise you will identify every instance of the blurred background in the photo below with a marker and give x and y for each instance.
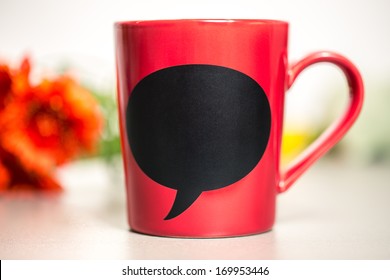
(77, 37)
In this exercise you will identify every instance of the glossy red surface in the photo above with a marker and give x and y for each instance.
(257, 48)
(337, 130)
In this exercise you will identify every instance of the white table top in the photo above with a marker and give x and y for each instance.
(334, 211)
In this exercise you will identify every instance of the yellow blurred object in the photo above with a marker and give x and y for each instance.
(294, 141)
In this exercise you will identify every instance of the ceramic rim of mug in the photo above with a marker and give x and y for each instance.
(144, 23)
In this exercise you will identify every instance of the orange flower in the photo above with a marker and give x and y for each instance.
(18, 173)
(13, 82)
(5, 86)
(42, 126)
(13, 85)
(61, 119)
(4, 177)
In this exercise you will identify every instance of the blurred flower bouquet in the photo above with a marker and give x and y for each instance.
(43, 125)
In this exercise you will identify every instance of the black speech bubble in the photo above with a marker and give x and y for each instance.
(196, 128)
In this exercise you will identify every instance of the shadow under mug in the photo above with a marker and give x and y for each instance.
(201, 107)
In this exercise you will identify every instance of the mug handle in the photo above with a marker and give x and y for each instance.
(334, 132)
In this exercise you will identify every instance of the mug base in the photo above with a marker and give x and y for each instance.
(200, 236)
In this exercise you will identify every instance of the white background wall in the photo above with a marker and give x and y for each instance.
(78, 28)
(79, 33)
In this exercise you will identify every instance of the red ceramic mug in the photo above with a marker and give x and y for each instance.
(201, 114)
